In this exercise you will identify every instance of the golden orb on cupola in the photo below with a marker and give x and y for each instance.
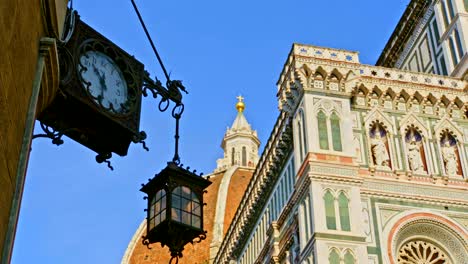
(240, 106)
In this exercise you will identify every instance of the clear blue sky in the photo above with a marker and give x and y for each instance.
(77, 211)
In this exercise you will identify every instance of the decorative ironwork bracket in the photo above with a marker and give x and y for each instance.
(171, 93)
(51, 133)
(140, 138)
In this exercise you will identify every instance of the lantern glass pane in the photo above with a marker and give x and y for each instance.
(186, 207)
(163, 215)
(152, 212)
(175, 201)
(196, 210)
(196, 221)
(186, 218)
(186, 192)
(157, 206)
(176, 215)
(157, 209)
(157, 220)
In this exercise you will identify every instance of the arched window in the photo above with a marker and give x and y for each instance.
(453, 52)
(232, 156)
(244, 156)
(334, 83)
(334, 257)
(330, 210)
(304, 134)
(318, 82)
(444, 13)
(322, 129)
(157, 209)
(450, 7)
(459, 43)
(336, 132)
(343, 204)
(349, 258)
(299, 131)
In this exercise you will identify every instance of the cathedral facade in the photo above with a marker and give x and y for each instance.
(377, 171)
(366, 164)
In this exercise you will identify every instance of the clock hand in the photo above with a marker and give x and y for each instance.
(102, 80)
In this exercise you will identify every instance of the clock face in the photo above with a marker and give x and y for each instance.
(104, 81)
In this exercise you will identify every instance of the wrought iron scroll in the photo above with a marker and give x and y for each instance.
(51, 133)
(173, 92)
(104, 158)
(140, 138)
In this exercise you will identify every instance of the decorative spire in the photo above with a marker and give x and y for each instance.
(240, 106)
(240, 143)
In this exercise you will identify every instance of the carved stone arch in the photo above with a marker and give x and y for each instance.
(418, 97)
(321, 71)
(376, 115)
(350, 75)
(391, 93)
(350, 251)
(446, 124)
(405, 95)
(307, 71)
(345, 192)
(362, 90)
(424, 93)
(300, 78)
(328, 106)
(412, 120)
(350, 81)
(458, 102)
(431, 98)
(377, 91)
(445, 100)
(336, 73)
(317, 79)
(435, 229)
(334, 249)
(334, 80)
(329, 189)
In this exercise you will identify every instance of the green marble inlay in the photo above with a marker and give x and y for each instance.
(318, 235)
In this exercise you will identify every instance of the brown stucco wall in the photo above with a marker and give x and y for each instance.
(21, 28)
(239, 182)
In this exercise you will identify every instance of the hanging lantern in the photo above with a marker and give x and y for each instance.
(175, 208)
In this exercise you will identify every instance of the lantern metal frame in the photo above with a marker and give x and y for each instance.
(166, 225)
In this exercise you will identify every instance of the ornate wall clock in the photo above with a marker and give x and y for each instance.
(99, 100)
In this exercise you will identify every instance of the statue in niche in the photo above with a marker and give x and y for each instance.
(379, 148)
(449, 156)
(357, 146)
(414, 151)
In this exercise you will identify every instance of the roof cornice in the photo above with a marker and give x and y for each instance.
(402, 33)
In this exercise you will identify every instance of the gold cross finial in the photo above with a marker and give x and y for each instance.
(240, 106)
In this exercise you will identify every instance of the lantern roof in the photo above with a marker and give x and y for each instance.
(175, 174)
